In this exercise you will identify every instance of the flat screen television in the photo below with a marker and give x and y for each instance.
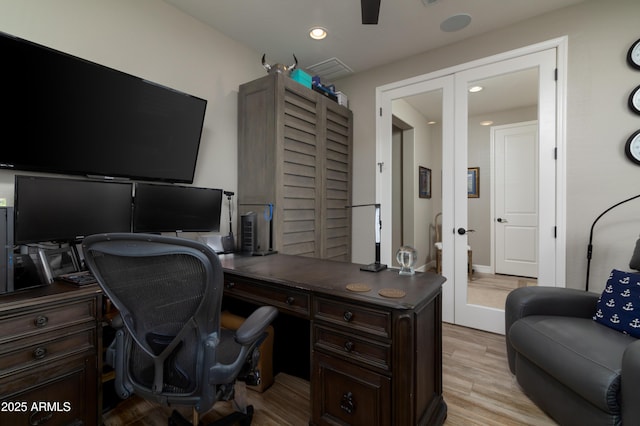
(176, 208)
(67, 210)
(63, 114)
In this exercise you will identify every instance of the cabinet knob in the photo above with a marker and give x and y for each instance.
(39, 353)
(348, 316)
(41, 321)
(40, 418)
(229, 285)
(347, 403)
(290, 300)
(348, 346)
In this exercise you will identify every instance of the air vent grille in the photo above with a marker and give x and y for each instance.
(330, 69)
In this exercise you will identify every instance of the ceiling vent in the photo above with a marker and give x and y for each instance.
(330, 69)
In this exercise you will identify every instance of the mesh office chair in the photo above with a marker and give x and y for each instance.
(169, 347)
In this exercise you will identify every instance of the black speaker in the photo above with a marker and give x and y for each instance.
(248, 232)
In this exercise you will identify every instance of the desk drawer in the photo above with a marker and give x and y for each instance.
(281, 297)
(45, 320)
(374, 353)
(377, 322)
(344, 393)
(38, 350)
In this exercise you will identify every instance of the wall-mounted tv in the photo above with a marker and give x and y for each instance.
(176, 208)
(66, 210)
(63, 114)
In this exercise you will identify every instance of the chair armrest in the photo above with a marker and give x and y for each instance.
(527, 301)
(255, 325)
(630, 376)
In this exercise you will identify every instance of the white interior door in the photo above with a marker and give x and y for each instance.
(515, 193)
(469, 313)
(457, 145)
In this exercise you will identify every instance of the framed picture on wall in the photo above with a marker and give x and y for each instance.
(473, 182)
(424, 182)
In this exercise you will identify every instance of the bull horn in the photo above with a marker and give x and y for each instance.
(295, 64)
(264, 63)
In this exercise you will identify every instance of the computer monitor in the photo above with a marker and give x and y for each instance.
(176, 208)
(67, 210)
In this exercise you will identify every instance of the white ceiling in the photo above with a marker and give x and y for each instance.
(279, 28)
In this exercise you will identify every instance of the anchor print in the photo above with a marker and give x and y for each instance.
(626, 293)
(615, 319)
(611, 303)
(635, 323)
(628, 306)
(609, 289)
(624, 280)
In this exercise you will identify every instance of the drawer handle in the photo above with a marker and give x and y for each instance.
(349, 346)
(39, 353)
(41, 321)
(290, 300)
(229, 285)
(39, 418)
(348, 316)
(347, 403)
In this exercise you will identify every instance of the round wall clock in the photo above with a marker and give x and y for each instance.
(634, 100)
(633, 56)
(632, 148)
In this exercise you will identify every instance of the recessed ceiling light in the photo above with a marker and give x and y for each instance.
(432, 122)
(475, 89)
(486, 123)
(455, 22)
(317, 33)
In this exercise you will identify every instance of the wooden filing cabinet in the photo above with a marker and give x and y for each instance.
(50, 355)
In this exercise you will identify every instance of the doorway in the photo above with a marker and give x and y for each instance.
(457, 143)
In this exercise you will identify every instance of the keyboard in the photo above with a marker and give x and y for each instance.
(79, 278)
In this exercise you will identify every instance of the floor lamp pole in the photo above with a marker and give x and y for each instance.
(590, 246)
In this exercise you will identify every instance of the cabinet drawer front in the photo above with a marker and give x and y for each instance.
(44, 320)
(375, 354)
(373, 321)
(33, 352)
(281, 297)
(61, 401)
(344, 393)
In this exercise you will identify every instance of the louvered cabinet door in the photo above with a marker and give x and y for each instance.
(300, 193)
(336, 219)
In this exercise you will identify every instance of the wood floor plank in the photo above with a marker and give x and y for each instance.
(477, 387)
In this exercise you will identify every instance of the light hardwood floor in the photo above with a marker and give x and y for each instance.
(478, 389)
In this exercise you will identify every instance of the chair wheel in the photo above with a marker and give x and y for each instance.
(248, 416)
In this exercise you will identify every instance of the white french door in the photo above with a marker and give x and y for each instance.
(459, 153)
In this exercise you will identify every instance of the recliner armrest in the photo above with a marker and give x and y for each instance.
(526, 301)
(630, 375)
(255, 325)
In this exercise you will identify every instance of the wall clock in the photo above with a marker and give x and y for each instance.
(632, 148)
(634, 100)
(633, 56)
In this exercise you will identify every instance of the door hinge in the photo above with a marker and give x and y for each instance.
(380, 111)
(555, 153)
(555, 74)
(555, 232)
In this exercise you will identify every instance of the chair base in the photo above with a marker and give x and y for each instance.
(242, 419)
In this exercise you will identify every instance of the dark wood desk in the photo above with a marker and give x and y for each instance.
(374, 360)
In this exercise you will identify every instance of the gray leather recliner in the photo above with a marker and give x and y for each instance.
(578, 371)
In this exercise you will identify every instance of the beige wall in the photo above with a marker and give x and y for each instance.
(153, 40)
(598, 122)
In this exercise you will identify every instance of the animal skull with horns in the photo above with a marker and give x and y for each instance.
(279, 67)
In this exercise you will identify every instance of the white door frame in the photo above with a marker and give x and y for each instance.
(422, 83)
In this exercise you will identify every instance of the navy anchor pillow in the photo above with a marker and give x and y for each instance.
(619, 303)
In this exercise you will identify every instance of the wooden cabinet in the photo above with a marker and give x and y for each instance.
(49, 356)
(295, 152)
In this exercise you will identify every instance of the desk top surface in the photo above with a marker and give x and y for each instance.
(331, 278)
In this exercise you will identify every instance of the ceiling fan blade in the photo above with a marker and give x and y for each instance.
(370, 11)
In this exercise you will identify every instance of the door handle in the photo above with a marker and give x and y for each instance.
(463, 231)
(501, 220)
